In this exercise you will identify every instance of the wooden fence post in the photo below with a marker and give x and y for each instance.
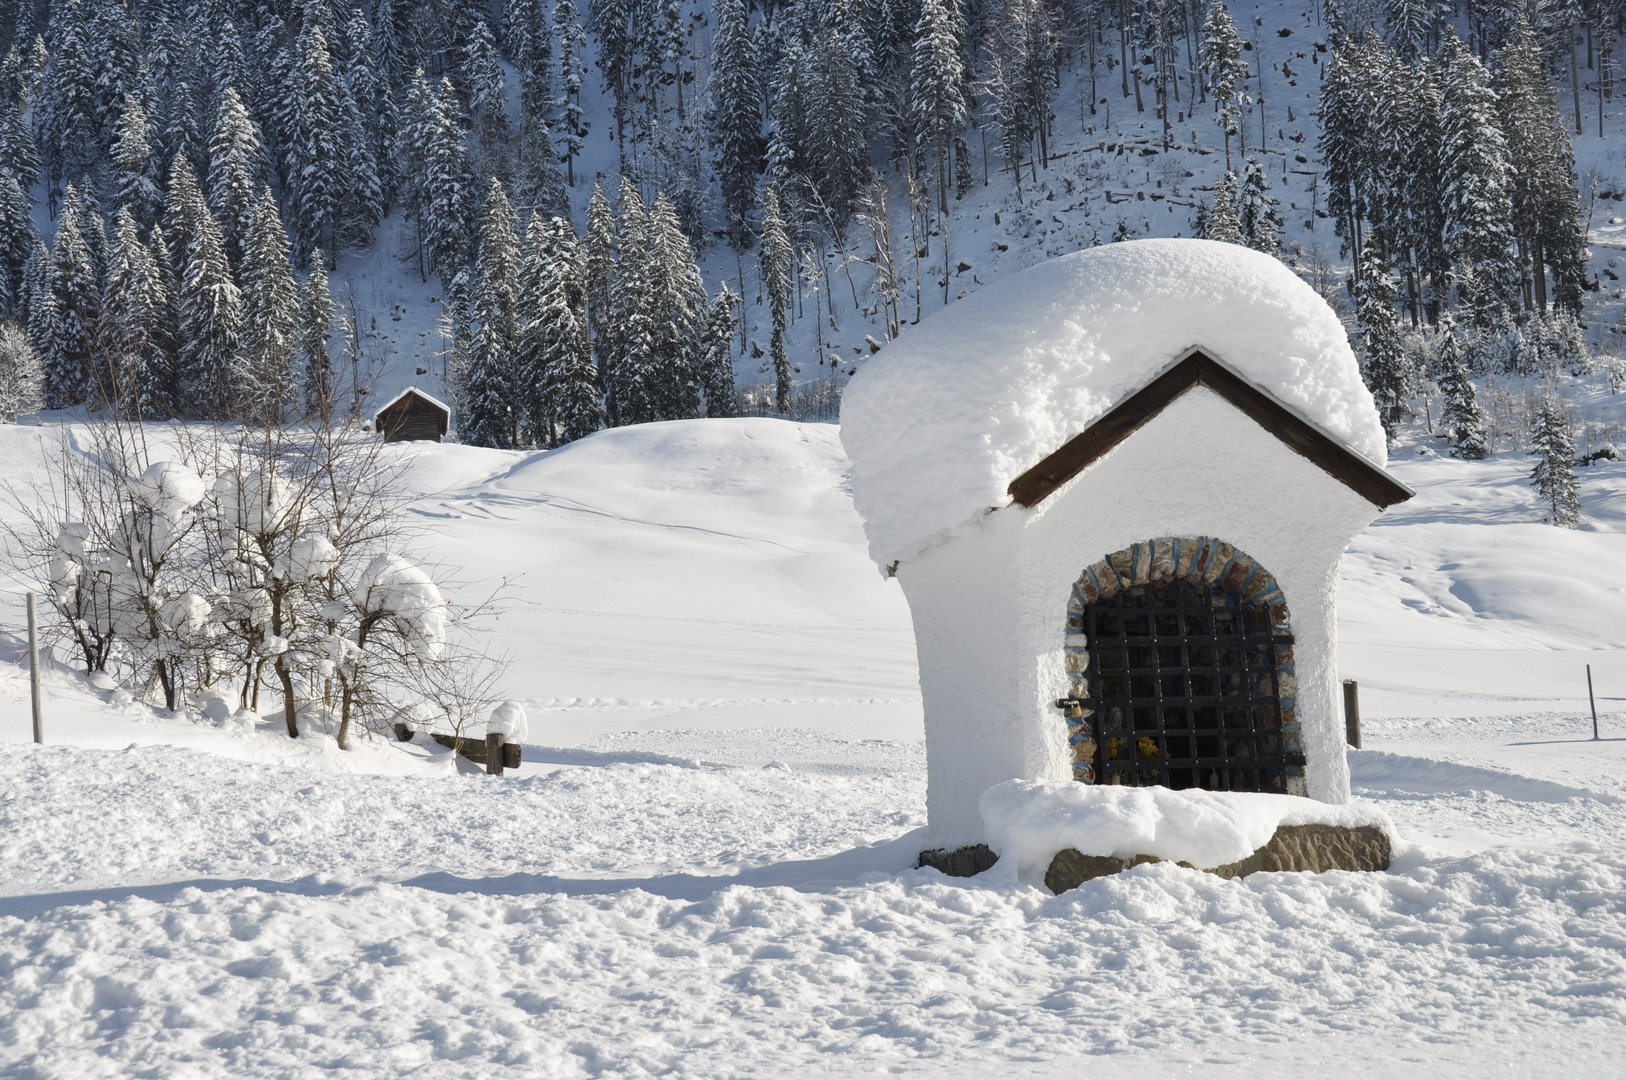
(34, 667)
(494, 754)
(1352, 713)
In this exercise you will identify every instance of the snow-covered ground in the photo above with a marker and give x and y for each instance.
(703, 867)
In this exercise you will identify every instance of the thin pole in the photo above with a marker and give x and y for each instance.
(34, 667)
(1590, 701)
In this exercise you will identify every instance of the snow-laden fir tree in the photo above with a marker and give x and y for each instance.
(211, 318)
(316, 161)
(1383, 354)
(1546, 202)
(18, 152)
(598, 277)
(777, 259)
(558, 332)
(1345, 110)
(1474, 183)
(488, 101)
(64, 339)
(447, 201)
(493, 406)
(19, 237)
(1460, 414)
(66, 121)
(235, 163)
(162, 367)
(539, 186)
(736, 117)
(319, 389)
(572, 40)
(528, 43)
(677, 302)
(270, 328)
(1223, 223)
(1554, 474)
(937, 104)
(1414, 26)
(1225, 73)
(133, 313)
(184, 132)
(183, 205)
(635, 342)
(20, 375)
(136, 182)
(716, 354)
(1257, 216)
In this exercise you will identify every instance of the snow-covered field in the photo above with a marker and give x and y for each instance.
(703, 868)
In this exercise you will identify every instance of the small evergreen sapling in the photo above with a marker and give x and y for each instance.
(1464, 420)
(1554, 474)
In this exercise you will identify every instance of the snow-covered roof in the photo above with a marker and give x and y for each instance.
(940, 422)
(412, 390)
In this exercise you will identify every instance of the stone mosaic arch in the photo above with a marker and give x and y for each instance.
(1188, 679)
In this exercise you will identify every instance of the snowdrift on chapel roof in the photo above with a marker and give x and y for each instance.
(940, 422)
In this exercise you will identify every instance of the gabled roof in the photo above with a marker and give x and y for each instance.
(412, 390)
(1198, 369)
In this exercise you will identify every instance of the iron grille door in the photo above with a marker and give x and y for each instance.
(1186, 690)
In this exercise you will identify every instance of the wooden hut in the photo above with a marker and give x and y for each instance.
(412, 414)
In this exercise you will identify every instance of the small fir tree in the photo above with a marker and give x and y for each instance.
(1554, 474)
(1463, 419)
(1223, 224)
(717, 356)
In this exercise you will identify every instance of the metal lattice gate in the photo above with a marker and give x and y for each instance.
(1186, 689)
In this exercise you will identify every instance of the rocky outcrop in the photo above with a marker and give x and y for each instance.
(1312, 848)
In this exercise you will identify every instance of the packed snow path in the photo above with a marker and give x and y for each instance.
(702, 870)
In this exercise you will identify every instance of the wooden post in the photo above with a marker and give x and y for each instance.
(1352, 713)
(34, 666)
(1590, 701)
(494, 755)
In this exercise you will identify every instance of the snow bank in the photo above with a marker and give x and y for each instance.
(1028, 821)
(941, 421)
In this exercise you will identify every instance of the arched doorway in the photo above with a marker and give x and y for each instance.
(1179, 659)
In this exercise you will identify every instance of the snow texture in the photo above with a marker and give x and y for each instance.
(941, 421)
(1028, 821)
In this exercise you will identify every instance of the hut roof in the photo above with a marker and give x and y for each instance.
(411, 391)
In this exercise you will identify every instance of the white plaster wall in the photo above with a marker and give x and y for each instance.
(990, 607)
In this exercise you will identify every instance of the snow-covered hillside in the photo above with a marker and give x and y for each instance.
(703, 867)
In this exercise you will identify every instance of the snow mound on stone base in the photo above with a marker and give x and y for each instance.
(941, 421)
(1028, 821)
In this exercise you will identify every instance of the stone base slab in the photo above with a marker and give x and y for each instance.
(1312, 848)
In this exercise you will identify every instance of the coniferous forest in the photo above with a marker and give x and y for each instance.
(178, 181)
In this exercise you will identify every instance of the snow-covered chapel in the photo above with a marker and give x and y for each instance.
(1116, 488)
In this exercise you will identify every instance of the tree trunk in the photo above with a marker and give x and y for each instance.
(289, 712)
